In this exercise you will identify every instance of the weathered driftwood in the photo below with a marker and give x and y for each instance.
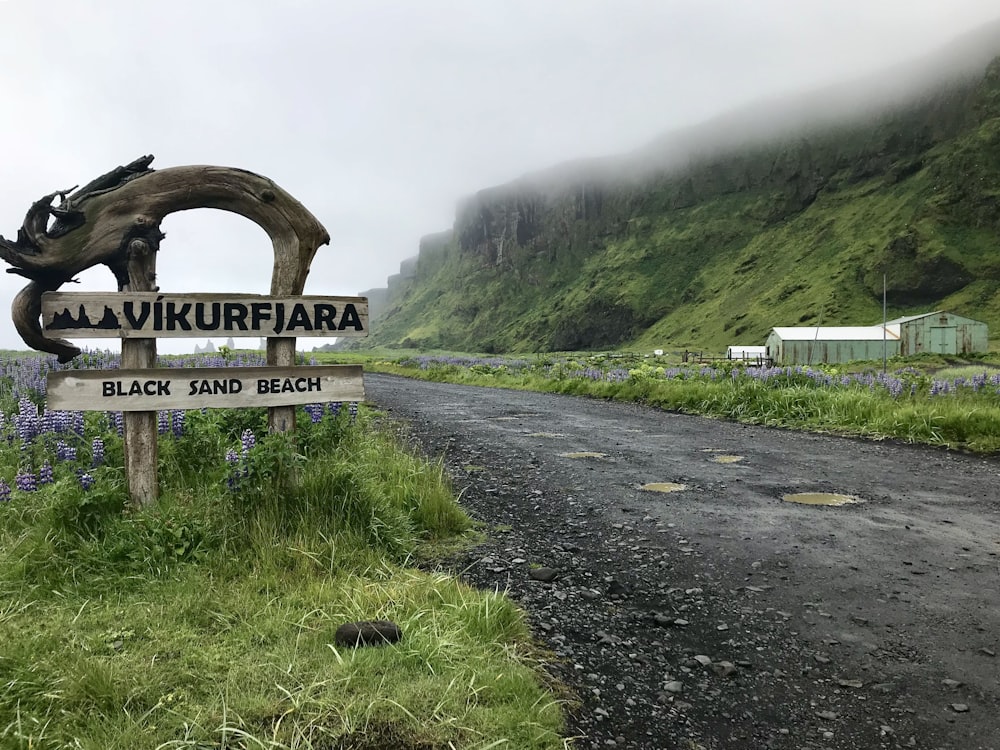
(95, 225)
(115, 221)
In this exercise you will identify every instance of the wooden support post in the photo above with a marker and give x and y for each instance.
(281, 353)
(141, 458)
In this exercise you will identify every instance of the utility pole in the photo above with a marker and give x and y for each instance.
(884, 343)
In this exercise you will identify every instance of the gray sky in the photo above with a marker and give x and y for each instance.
(380, 115)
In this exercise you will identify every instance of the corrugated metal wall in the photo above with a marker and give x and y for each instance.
(832, 352)
(943, 333)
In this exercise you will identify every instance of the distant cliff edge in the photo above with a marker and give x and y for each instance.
(785, 213)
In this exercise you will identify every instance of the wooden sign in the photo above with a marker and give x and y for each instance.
(199, 387)
(114, 220)
(154, 315)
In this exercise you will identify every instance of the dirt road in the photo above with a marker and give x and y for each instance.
(720, 615)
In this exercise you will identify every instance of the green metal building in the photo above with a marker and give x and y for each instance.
(814, 345)
(939, 332)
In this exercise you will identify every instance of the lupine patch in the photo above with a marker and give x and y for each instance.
(905, 381)
(958, 407)
(58, 441)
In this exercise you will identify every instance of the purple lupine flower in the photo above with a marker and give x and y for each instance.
(45, 474)
(26, 420)
(177, 417)
(86, 480)
(353, 409)
(77, 417)
(233, 459)
(315, 412)
(97, 452)
(248, 441)
(65, 452)
(334, 407)
(4, 491)
(26, 481)
(163, 422)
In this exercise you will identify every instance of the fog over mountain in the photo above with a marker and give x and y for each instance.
(858, 99)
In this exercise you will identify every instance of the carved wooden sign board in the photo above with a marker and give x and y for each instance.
(114, 220)
(97, 315)
(199, 387)
(153, 315)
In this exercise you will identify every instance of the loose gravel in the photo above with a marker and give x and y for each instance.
(718, 615)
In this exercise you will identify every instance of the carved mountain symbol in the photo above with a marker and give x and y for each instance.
(109, 321)
(65, 320)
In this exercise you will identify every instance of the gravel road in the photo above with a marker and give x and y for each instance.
(719, 615)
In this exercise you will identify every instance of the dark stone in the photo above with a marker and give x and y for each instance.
(543, 574)
(367, 633)
(724, 668)
(617, 588)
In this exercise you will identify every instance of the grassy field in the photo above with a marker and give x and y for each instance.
(929, 399)
(208, 621)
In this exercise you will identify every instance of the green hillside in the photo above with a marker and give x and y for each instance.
(709, 248)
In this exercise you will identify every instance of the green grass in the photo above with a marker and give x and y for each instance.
(208, 620)
(961, 419)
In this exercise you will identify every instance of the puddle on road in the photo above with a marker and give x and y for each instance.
(727, 459)
(663, 487)
(584, 454)
(820, 498)
(546, 435)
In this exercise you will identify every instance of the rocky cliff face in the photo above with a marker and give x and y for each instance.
(725, 241)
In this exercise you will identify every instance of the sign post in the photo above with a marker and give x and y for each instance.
(115, 220)
(139, 427)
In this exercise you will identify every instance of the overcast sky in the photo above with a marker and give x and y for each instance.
(380, 115)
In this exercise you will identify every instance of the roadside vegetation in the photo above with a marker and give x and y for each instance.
(927, 399)
(208, 620)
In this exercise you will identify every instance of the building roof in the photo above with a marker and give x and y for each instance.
(837, 333)
(908, 318)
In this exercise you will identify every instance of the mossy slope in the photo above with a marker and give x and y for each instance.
(798, 230)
